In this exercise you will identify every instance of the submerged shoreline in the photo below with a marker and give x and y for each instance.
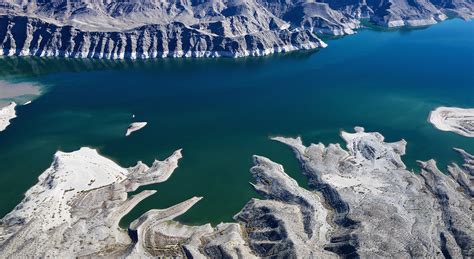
(13, 94)
(20, 93)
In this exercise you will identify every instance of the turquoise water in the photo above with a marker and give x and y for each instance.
(222, 111)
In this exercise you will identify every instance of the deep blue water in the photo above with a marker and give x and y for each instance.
(222, 111)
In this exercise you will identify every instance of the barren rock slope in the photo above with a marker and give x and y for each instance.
(361, 201)
(235, 28)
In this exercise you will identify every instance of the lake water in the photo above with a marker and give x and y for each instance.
(222, 111)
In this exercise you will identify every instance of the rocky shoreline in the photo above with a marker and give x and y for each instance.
(116, 30)
(361, 201)
(151, 41)
(457, 120)
(134, 127)
(7, 113)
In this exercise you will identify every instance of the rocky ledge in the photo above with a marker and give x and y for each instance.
(156, 29)
(458, 120)
(361, 202)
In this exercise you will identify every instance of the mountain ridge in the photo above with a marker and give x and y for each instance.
(197, 28)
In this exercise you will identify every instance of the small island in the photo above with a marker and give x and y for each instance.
(457, 120)
(134, 127)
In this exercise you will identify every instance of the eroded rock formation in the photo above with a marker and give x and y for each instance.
(152, 28)
(360, 201)
(380, 208)
(75, 207)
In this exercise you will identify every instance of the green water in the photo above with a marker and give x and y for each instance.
(222, 111)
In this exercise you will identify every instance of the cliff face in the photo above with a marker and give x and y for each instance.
(150, 29)
(361, 201)
(31, 36)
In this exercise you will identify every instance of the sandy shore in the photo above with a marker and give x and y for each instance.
(458, 120)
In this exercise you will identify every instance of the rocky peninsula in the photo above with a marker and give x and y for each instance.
(155, 29)
(458, 120)
(360, 201)
(6, 114)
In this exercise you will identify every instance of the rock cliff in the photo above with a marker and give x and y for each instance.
(234, 28)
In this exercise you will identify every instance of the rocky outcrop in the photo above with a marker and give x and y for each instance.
(361, 202)
(457, 237)
(291, 222)
(315, 16)
(75, 207)
(134, 127)
(154, 29)
(380, 208)
(458, 120)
